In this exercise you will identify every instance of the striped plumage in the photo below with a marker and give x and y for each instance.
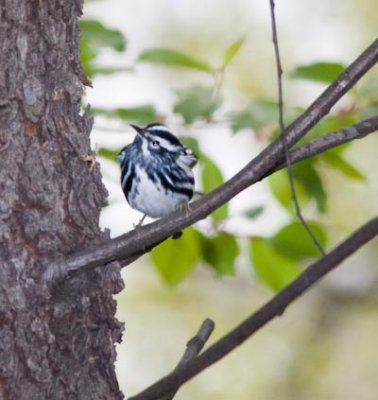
(156, 171)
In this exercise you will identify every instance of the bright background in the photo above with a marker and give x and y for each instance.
(324, 347)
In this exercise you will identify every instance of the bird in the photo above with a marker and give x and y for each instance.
(157, 172)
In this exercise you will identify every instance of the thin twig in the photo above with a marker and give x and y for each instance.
(193, 348)
(128, 245)
(282, 128)
(273, 308)
(196, 343)
(331, 140)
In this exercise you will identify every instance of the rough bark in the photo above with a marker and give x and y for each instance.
(55, 343)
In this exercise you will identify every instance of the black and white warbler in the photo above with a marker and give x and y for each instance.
(156, 171)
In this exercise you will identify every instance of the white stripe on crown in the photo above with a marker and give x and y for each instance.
(158, 128)
(167, 144)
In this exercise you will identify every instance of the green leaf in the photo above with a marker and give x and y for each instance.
(87, 52)
(174, 58)
(96, 70)
(196, 102)
(142, 114)
(211, 178)
(254, 212)
(306, 173)
(271, 267)
(99, 36)
(220, 253)
(232, 50)
(94, 37)
(338, 162)
(108, 153)
(308, 185)
(176, 259)
(294, 242)
(259, 114)
(280, 187)
(325, 72)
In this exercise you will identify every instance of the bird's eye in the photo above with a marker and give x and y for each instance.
(155, 143)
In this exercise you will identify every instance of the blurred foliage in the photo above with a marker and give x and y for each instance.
(175, 259)
(220, 253)
(325, 72)
(272, 267)
(257, 115)
(211, 178)
(195, 103)
(94, 38)
(173, 58)
(278, 259)
(142, 114)
(293, 241)
(232, 50)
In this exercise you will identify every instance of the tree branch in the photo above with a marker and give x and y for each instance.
(137, 242)
(196, 343)
(193, 348)
(59, 269)
(331, 140)
(273, 308)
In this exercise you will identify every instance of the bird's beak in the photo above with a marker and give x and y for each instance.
(138, 129)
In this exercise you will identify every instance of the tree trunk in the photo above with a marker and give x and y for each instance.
(55, 343)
